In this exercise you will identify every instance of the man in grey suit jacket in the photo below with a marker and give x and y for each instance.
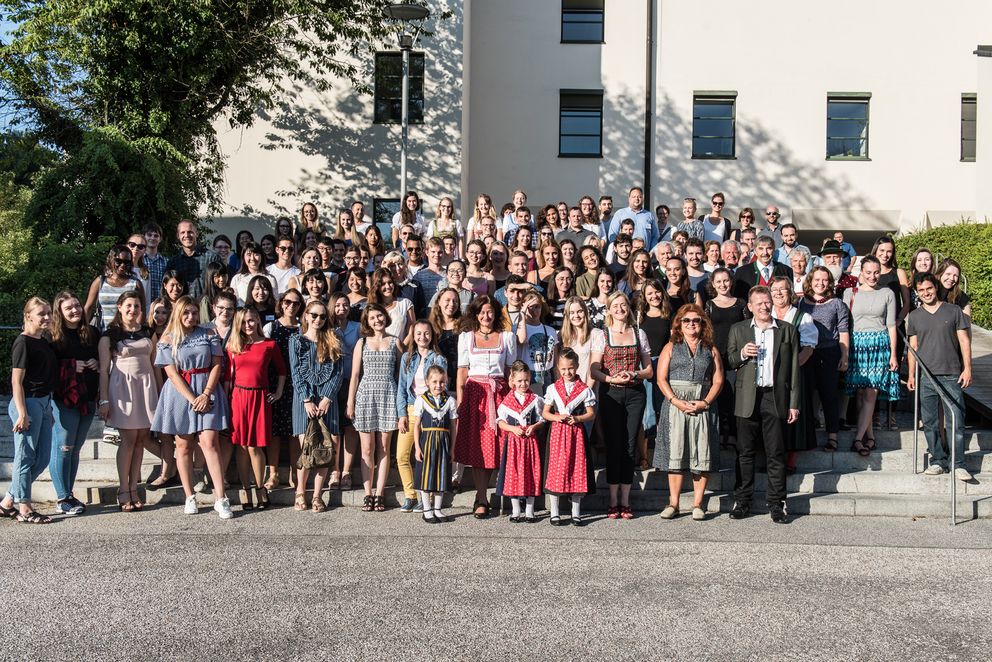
(765, 353)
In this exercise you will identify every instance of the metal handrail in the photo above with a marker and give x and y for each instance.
(949, 406)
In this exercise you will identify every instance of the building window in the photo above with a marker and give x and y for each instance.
(382, 215)
(847, 126)
(389, 88)
(581, 21)
(713, 125)
(580, 123)
(969, 115)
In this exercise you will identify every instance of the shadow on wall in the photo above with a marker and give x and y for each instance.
(766, 171)
(361, 159)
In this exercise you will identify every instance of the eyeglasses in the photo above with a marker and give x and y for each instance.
(223, 309)
(284, 249)
(547, 234)
(136, 247)
(692, 320)
(291, 302)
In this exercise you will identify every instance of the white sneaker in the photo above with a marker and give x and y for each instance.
(223, 508)
(199, 482)
(962, 474)
(190, 508)
(934, 470)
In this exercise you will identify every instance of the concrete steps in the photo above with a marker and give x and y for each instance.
(839, 483)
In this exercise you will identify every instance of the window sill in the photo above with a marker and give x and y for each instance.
(968, 160)
(848, 158)
(580, 156)
(582, 41)
(708, 157)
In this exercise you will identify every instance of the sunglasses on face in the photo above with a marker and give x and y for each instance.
(691, 320)
(136, 247)
(317, 316)
(120, 263)
(291, 302)
(284, 249)
(771, 213)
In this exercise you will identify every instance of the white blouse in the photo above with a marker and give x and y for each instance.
(482, 362)
(587, 397)
(507, 415)
(593, 344)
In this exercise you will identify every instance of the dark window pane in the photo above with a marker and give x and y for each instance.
(581, 25)
(713, 128)
(579, 145)
(846, 147)
(383, 210)
(846, 128)
(389, 88)
(712, 147)
(847, 110)
(583, 123)
(707, 109)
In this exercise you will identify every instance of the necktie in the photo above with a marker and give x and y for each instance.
(764, 274)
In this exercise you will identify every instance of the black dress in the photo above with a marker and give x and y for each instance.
(722, 319)
(448, 344)
(658, 330)
(282, 409)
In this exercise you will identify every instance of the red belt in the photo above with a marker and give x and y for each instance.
(188, 374)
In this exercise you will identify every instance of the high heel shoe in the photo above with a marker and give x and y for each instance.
(124, 506)
(263, 498)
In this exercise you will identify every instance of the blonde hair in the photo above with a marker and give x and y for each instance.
(328, 341)
(31, 304)
(174, 327)
(631, 322)
(571, 334)
(238, 341)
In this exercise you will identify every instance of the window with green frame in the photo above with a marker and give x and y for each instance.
(714, 125)
(969, 116)
(847, 126)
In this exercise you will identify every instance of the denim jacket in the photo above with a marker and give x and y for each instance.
(408, 368)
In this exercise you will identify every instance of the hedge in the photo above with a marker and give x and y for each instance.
(970, 245)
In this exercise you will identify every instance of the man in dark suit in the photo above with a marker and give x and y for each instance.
(762, 271)
(765, 353)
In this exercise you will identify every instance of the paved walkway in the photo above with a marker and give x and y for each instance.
(351, 585)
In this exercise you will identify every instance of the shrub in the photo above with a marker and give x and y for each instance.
(970, 245)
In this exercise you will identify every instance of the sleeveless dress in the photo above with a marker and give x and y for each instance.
(282, 409)
(107, 298)
(569, 462)
(433, 473)
(193, 358)
(520, 459)
(688, 443)
(375, 399)
(131, 386)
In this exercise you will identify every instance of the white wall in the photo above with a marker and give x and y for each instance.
(324, 147)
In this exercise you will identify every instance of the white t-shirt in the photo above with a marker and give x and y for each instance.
(399, 318)
(240, 285)
(418, 224)
(282, 276)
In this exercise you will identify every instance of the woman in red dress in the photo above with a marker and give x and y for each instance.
(249, 357)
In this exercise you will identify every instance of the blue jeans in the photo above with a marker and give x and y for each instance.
(68, 435)
(32, 447)
(930, 402)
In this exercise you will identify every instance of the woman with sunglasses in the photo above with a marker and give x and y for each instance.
(136, 242)
(281, 330)
(117, 278)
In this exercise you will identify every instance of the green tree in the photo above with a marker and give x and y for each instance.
(129, 92)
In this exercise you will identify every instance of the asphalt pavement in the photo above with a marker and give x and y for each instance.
(281, 585)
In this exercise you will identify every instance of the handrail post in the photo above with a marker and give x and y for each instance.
(954, 480)
(916, 418)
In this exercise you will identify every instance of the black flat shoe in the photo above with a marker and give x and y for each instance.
(430, 520)
(777, 512)
(531, 520)
(484, 514)
(740, 511)
(516, 519)
(578, 521)
(556, 521)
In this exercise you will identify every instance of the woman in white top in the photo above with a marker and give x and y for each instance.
(578, 335)
(485, 352)
(383, 291)
(252, 264)
(409, 214)
(483, 209)
(445, 225)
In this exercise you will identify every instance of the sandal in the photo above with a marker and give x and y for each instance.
(346, 481)
(9, 512)
(480, 514)
(244, 496)
(869, 443)
(613, 512)
(830, 446)
(335, 482)
(859, 448)
(317, 505)
(124, 506)
(626, 512)
(368, 504)
(263, 497)
(32, 517)
(300, 503)
(380, 504)
(136, 502)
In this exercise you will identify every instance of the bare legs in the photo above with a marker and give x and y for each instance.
(375, 444)
(866, 407)
(164, 448)
(480, 477)
(129, 456)
(675, 479)
(207, 441)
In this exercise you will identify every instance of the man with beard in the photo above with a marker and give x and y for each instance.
(832, 255)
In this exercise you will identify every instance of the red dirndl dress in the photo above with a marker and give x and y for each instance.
(520, 463)
(569, 464)
(477, 443)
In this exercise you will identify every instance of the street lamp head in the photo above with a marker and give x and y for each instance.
(407, 11)
(406, 42)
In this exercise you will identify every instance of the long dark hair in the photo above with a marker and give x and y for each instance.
(58, 328)
(269, 306)
(470, 320)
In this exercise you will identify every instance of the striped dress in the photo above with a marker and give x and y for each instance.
(433, 473)
(375, 399)
(314, 381)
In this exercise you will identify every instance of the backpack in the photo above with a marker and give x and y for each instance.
(317, 450)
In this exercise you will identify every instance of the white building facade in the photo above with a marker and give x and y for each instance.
(848, 115)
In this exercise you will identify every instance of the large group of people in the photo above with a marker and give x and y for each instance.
(533, 345)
